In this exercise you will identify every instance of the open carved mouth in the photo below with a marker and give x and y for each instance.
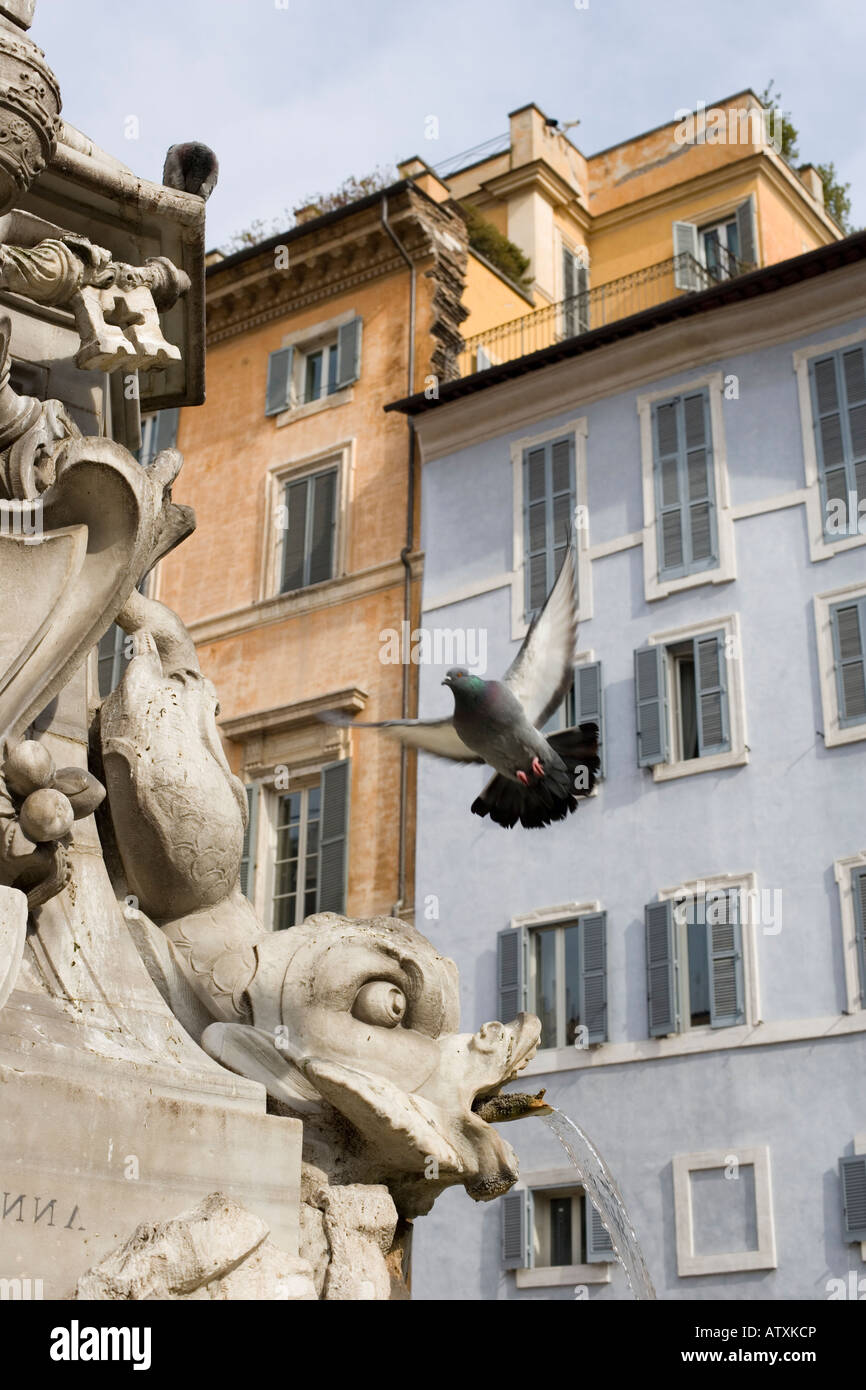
(494, 1107)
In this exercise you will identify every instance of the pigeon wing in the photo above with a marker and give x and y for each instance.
(541, 673)
(436, 736)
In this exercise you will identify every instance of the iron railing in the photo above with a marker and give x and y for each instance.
(553, 323)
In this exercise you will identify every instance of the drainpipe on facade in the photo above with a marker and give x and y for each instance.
(405, 555)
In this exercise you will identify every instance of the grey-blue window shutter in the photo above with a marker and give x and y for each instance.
(747, 232)
(165, 430)
(599, 1246)
(661, 978)
(248, 857)
(829, 432)
(511, 972)
(279, 391)
(569, 290)
(589, 701)
(853, 1174)
(322, 523)
(671, 522)
(334, 837)
(581, 281)
(650, 684)
(516, 1217)
(725, 955)
(686, 256)
(294, 557)
(854, 377)
(858, 892)
(548, 510)
(348, 352)
(697, 481)
(592, 990)
(848, 623)
(714, 734)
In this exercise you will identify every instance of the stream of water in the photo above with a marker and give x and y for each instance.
(603, 1192)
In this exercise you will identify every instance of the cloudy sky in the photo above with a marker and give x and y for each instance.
(296, 95)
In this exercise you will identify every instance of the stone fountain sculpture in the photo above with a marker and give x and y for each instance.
(320, 1069)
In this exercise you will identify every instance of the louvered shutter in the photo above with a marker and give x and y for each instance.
(323, 523)
(698, 480)
(515, 1208)
(853, 1174)
(348, 353)
(548, 505)
(686, 256)
(165, 430)
(711, 693)
(599, 1246)
(296, 499)
(333, 843)
(511, 972)
(661, 980)
(569, 291)
(248, 857)
(581, 276)
(848, 622)
(589, 702)
(858, 892)
(669, 499)
(592, 990)
(650, 682)
(725, 956)
(854, 376)
(747, 237)
(829, 436)
(279, 391)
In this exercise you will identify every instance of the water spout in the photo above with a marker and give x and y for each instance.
(605, 1196)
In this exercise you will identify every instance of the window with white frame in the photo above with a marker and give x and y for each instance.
(558, 971)
(552, 1227)
(840, 620)
(708, 251)
(831, 383)
(689, 701)
(851, 879)
(548, 512)
(295, 853)
(583, 704)
(314, 366)
(575, 291)
(688, 527)
(695, 960)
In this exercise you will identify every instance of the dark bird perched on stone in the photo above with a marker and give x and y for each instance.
(539, 778)
(191, 167)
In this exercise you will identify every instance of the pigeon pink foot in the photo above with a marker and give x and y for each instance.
(537, 767)
(522, 777)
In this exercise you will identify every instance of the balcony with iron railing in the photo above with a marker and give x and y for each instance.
(553, 323)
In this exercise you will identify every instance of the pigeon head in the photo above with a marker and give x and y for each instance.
(463, 685)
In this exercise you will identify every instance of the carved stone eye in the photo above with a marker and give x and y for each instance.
(381, 1003)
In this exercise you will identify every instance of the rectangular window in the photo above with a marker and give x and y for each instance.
(685, 500)
(838, 387)
(309, 530)
(324, 363)
(567, 980)
(158, 432)
(310, 848)
(682, 700)
(858, 896)
(848, 622)
(320, 373)
(695, 970)
(552, 1228)
(548, 511)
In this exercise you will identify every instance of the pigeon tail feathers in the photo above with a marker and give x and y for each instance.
(549, 798)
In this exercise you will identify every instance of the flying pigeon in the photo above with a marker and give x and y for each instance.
(539, 778)
(191, 167)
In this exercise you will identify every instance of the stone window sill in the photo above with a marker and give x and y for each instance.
(562, 1276)
(302, 412)
(715, 762)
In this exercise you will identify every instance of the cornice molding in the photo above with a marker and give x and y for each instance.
(636, 361)
(283, 607)
(280, 718)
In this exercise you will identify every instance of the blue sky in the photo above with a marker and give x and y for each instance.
(296, 95)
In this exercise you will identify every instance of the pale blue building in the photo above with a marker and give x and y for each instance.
(693, 938)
